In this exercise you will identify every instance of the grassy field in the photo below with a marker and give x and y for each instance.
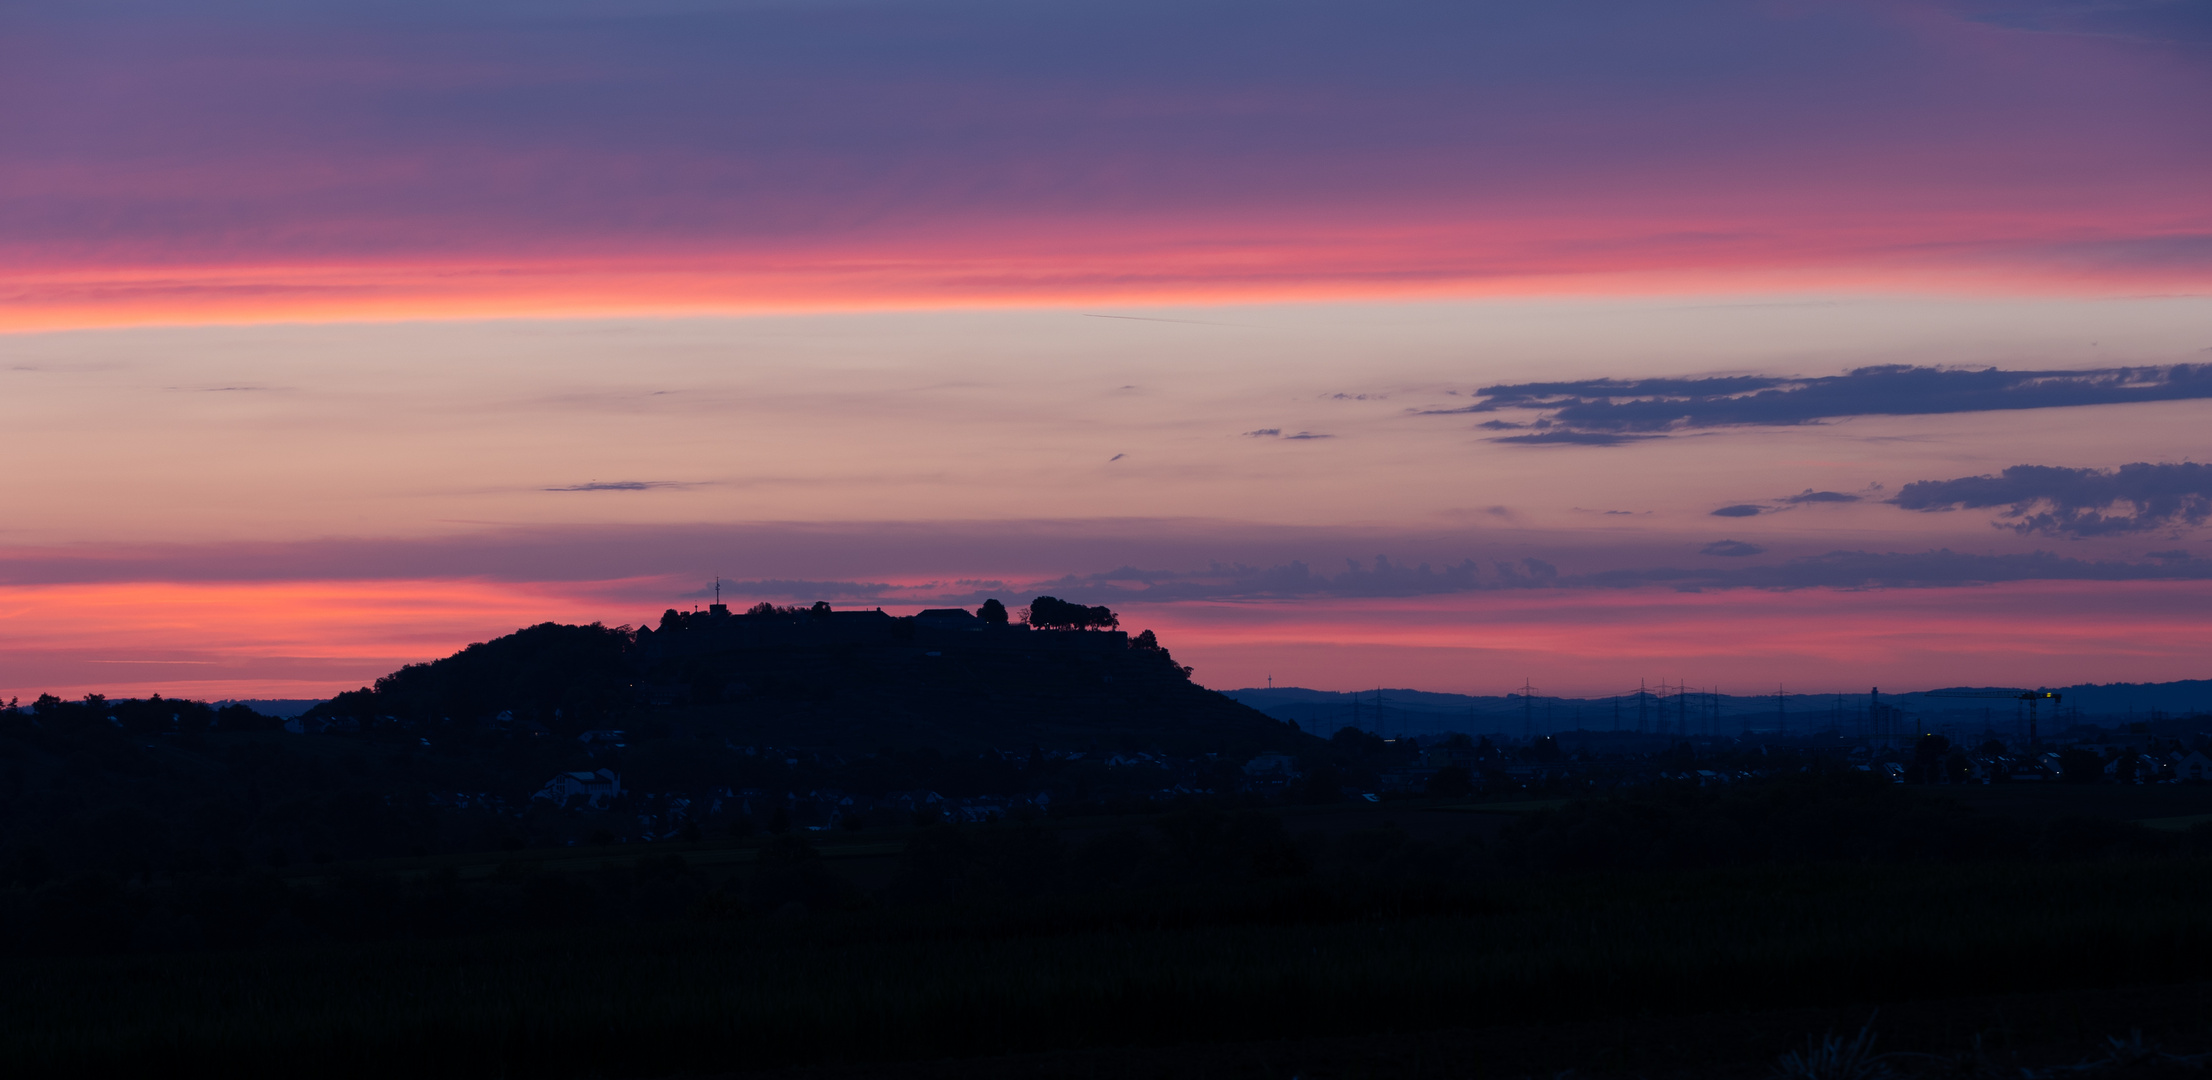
(1236, 965)
(1349, 934)
(2124, 802)
(865, 858)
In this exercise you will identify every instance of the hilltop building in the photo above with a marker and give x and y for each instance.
(717, 629)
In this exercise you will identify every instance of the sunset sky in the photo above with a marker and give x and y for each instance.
(1436, 345)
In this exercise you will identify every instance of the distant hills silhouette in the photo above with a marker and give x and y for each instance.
(1406, 711)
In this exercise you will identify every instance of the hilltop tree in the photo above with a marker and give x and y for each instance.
(992, 612)
(1051, 612)
(1352, 744)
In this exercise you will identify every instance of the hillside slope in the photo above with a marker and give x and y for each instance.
(831, 680)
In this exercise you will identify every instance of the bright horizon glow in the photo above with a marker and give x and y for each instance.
(924, 281)
(315, 638)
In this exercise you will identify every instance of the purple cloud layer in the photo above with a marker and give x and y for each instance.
(142, 133)
(1151, 561)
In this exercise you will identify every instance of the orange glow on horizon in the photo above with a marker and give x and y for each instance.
(1595, 642)
(315, 638)
(1449, 264)
(282, 639)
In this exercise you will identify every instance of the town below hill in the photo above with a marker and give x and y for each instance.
(592, 851)
(722, 723)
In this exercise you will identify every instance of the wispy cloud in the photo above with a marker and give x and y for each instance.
(1941, 568)
(2055, 501)
(1730, 549)
(1382, 577)
(1573, 438)
(848, 591)
(1151, 561)
(619, 485)
(1928, 569)
(1601, 412)
(2152, 20)
(1808, 497)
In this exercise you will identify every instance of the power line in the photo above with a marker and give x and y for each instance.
(1528, 710)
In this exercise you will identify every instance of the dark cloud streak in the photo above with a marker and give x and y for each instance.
(1731, 549)
(2056, 501)
(1588, 410)
(1573, 438)
(618, 485)
(850, 563)
(1942, 568)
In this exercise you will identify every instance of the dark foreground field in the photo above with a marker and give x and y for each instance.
(1460, 948)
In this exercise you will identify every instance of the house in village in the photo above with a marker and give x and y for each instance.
(601, 787)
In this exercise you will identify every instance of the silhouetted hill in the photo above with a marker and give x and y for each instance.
(842, 680)
(281, 708)
(718, 722)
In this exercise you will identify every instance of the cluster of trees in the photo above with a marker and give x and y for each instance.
(764, 608)
(1045, 613)
(1053, 613)
(164, 789)
(147, 716)
(1823, 817)
(234, 905)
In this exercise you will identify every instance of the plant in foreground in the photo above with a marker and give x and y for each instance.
(1834, 1058)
